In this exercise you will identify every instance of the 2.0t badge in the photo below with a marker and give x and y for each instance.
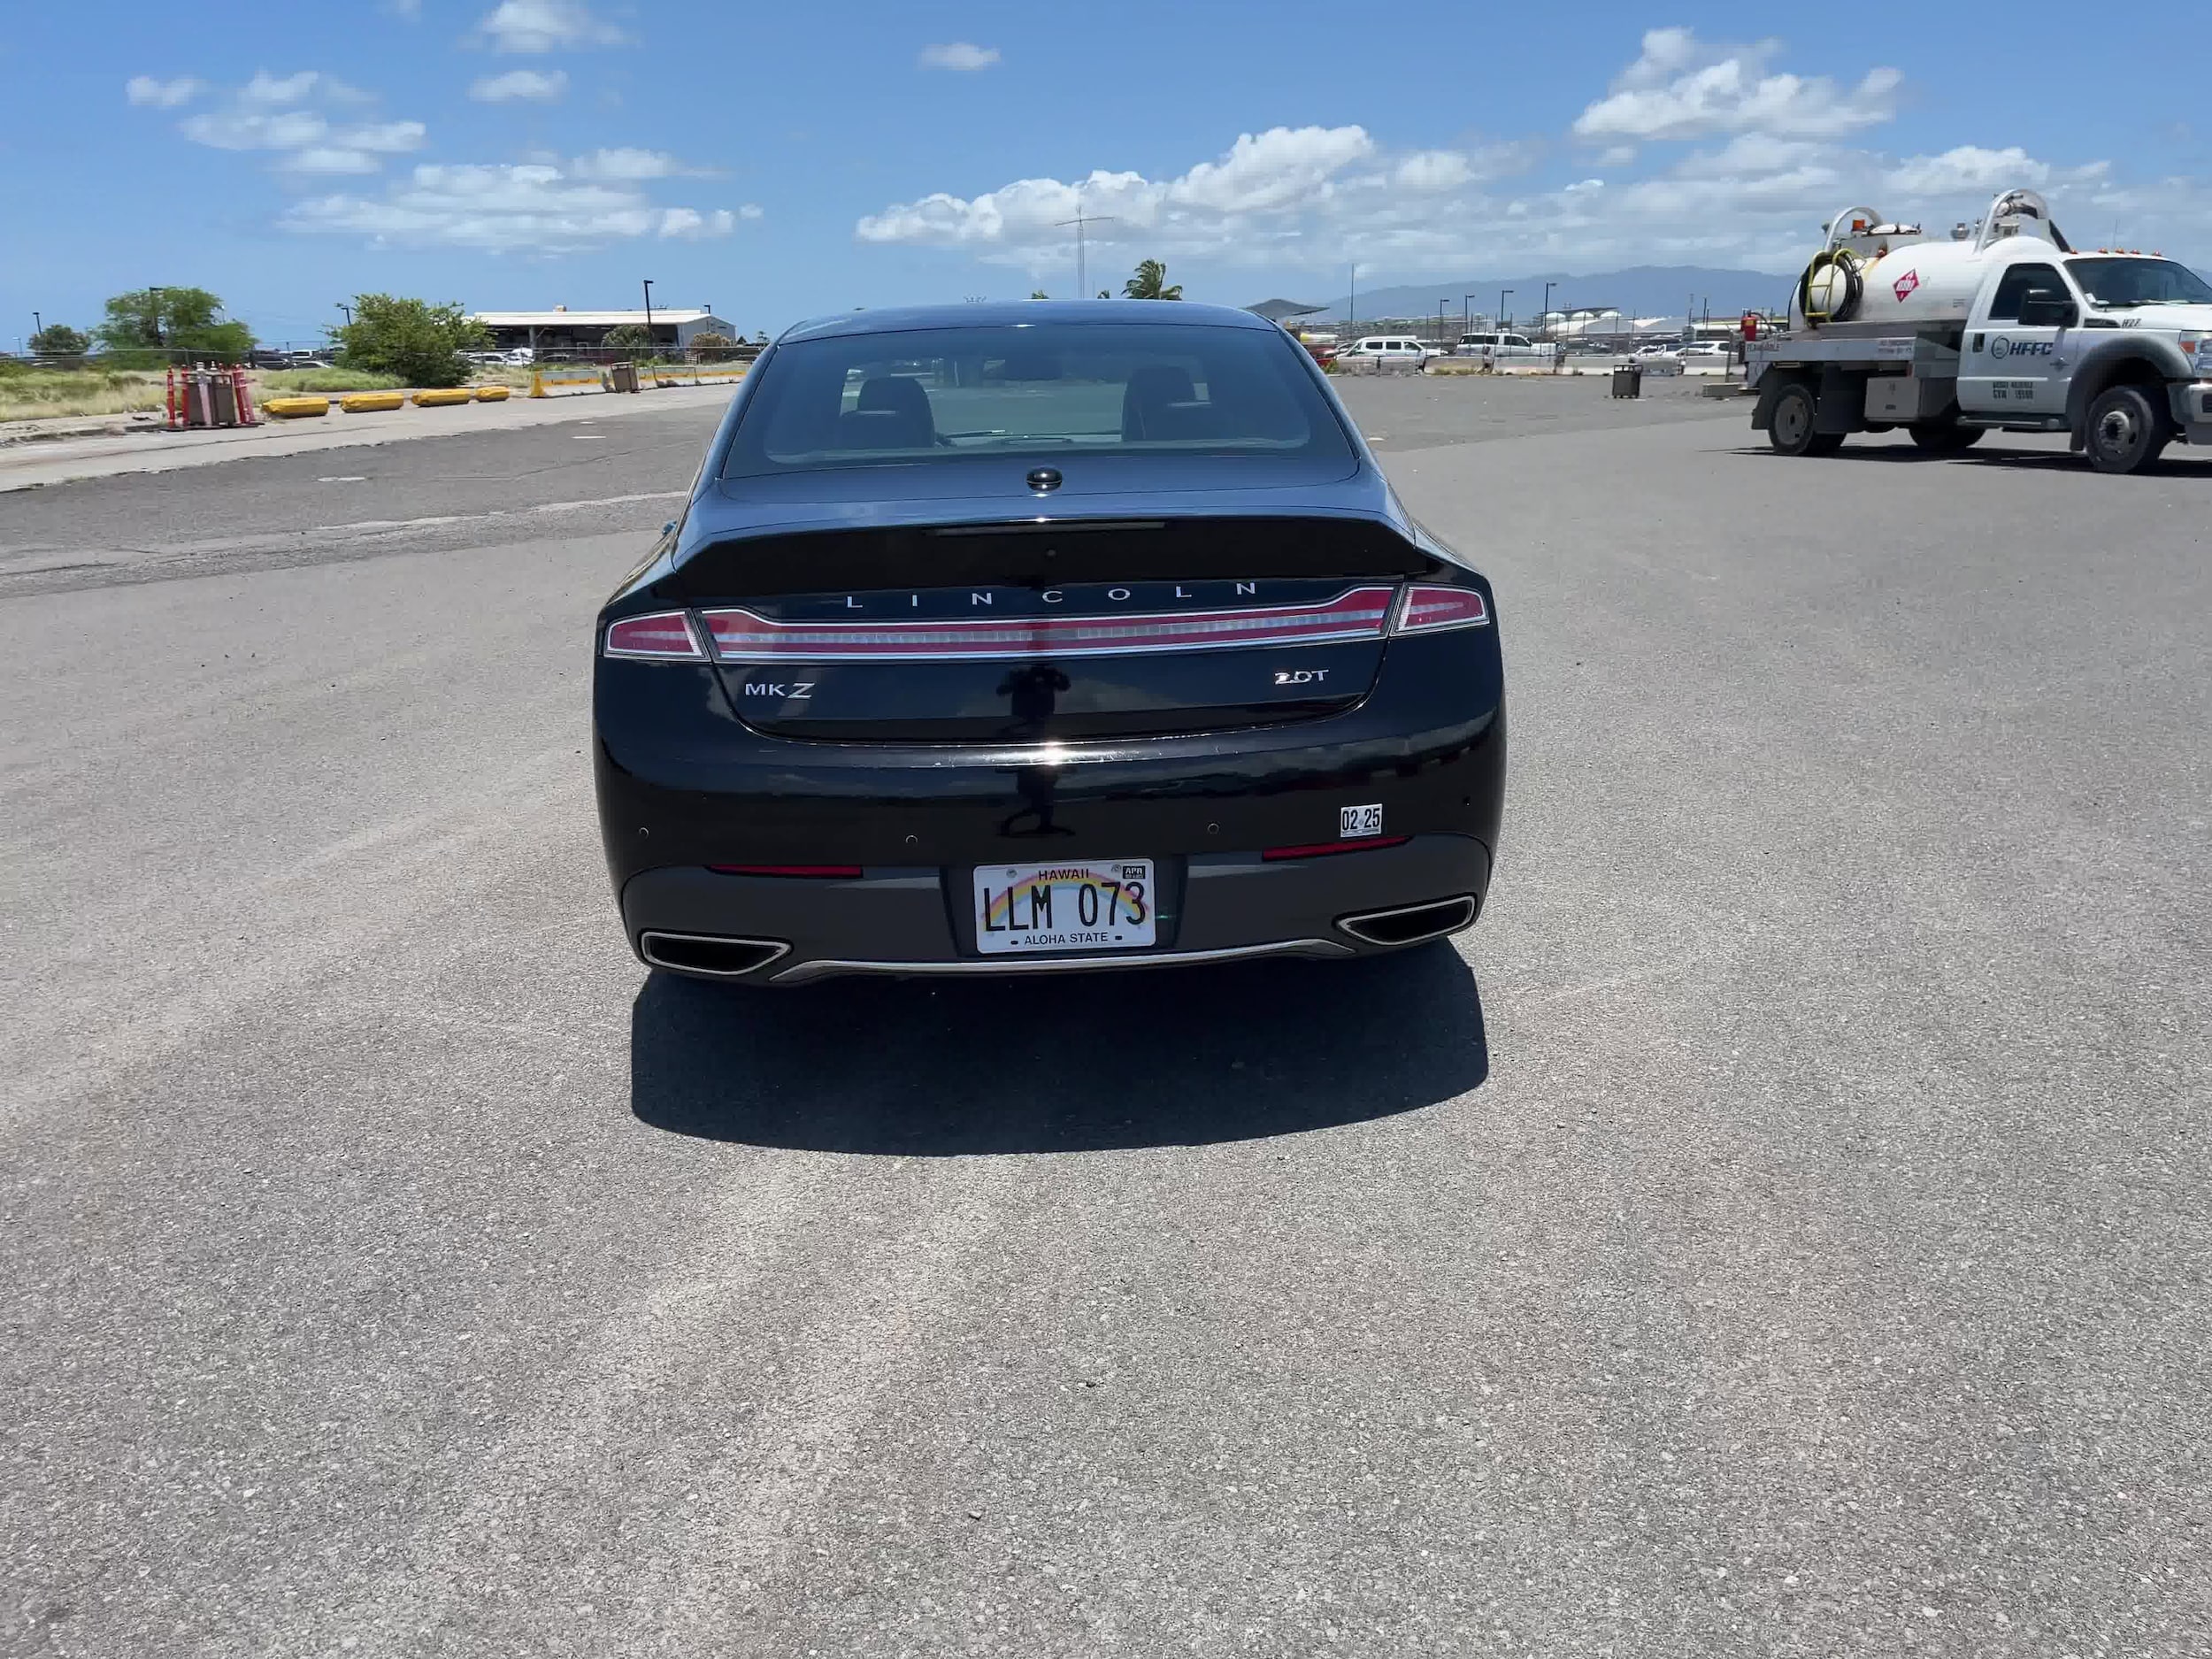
(1301, 676)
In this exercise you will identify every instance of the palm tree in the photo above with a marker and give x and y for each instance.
(1150, 283)
(1039, 293)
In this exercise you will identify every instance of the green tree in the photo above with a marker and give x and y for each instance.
(1150, 283)
(1039, 293)
(709, 347)
(180, 322)
(633, 339)
(420, 343)
(59, 340)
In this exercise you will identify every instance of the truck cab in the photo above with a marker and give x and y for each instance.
(2014, 331)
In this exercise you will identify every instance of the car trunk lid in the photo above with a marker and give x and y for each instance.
(1029, 632)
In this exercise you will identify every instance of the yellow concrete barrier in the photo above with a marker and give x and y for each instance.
(540, 379)
(367, 403)
(440, 398)
(491, 394)
(297, 408)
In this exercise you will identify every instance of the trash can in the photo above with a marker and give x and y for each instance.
(1628, 382)
(622, 377)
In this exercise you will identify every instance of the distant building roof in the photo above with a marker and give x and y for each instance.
(588, 319)
(1283, 311)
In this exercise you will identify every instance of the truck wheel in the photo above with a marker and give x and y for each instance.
(1945, 437)
(2125, 435)
(1790, 424)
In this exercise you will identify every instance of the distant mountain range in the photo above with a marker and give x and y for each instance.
(1645, 290)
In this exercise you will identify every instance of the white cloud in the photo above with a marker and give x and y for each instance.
(518, 85)
(632, 165)
(324, 158)
(254, 129)
(961, 55)
(1263, 177)
(162, 94)
(266, 88)
(279, 113)
(749, 210)
(1683, 88)
(385, 138)
(1427, 171)
(545, 25)
(535, 207)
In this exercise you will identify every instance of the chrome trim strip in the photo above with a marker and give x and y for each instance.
(798, 973)
(782, 948)
(1347, 923)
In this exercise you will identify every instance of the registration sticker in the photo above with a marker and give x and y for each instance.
(1356, 823)
(1097, 904)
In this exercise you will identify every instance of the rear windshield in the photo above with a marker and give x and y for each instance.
(1033, 389)
(2140, 282)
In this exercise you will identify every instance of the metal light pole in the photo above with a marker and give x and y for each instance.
(1466, 313)
(1351, 305)
(1549, 286)
(648, 310)
(153, 308)
(1503, 295)
(1081, 221)
(343, 306)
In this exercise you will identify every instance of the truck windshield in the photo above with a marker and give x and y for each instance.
(1033, 390)
(2121, 282)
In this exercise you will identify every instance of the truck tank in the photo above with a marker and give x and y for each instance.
(1874, 276)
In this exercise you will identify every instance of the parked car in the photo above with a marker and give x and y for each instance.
(1705, 352)
(1388, 351)
(521, 356)
(830, 711)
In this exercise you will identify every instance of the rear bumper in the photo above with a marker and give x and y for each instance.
(1214, 907)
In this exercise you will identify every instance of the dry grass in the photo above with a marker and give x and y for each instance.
(291, 382)
(44, 394)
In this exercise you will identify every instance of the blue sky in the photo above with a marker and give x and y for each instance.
(781, 161)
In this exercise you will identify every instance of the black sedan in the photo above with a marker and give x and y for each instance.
(1042, 637)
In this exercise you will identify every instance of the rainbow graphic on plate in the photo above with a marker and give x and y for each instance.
(1043, 907)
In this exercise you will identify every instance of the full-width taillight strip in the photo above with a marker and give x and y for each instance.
(743, 636)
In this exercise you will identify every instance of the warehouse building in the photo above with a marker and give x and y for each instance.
(562, 329)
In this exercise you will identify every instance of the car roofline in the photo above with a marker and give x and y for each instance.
(1015, 313)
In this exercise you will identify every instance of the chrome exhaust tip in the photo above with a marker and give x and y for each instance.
(709, 955)
(1410, 924)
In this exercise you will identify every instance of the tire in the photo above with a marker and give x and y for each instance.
(1944, 437)
(2124, 432)
(1790, 422)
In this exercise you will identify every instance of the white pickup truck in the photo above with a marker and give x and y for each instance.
(2002, 327)
(1498, 349)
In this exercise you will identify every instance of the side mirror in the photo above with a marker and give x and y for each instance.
(2046, 308)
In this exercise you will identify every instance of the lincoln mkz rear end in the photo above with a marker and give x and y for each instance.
(1042, 638)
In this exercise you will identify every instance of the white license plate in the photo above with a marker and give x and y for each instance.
(1356, 823)
(1102, 904)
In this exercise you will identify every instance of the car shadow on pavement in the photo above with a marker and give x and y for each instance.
(1054, 1063)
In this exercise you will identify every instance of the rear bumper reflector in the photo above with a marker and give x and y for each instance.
(1322, 850)
(848, 872)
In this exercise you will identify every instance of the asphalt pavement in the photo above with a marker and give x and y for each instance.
(1779, 1227)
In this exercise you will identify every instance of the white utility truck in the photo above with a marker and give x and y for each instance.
(2002, 325)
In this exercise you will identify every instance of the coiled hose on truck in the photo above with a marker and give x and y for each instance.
(1830, 290)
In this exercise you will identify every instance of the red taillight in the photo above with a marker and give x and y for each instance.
(665, 635)
(743, 636)
(1322, 849)
(1431, 608)
(850, 872)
